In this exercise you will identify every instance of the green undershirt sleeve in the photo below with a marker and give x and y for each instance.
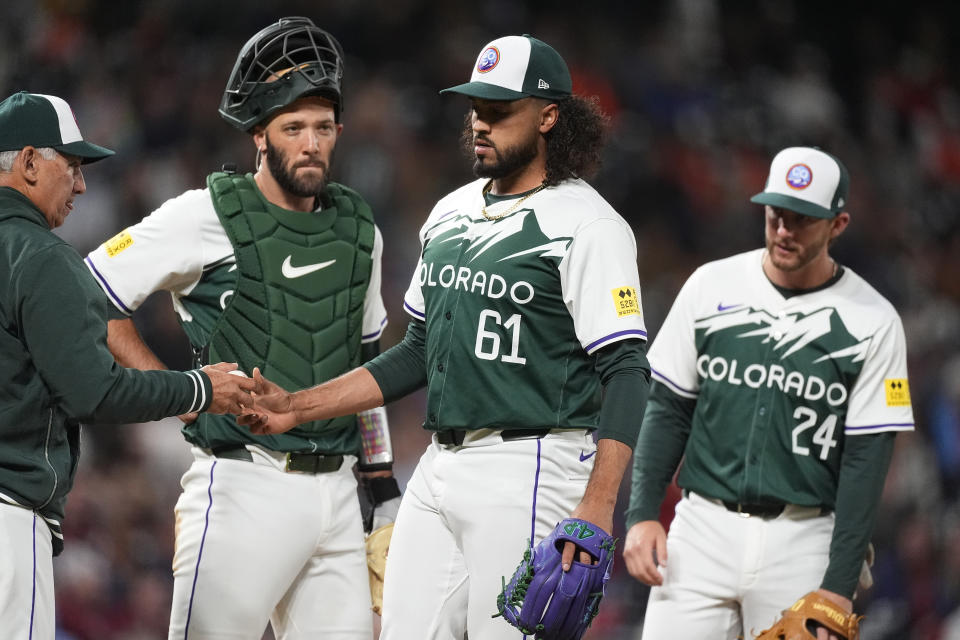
(625, 376)
(115, 314)
(863, 470)
(402, 368)
(660, 446)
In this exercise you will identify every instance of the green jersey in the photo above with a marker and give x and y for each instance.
(516, 302)
(779, 382)
(57, 370)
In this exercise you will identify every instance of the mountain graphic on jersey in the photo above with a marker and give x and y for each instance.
(792, 332)
(508, 238)
(509, 260)
(811, 356)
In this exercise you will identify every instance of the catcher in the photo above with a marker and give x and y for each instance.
(281, 269)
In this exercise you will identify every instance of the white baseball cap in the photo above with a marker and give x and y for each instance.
(808, 181)
(514, 67)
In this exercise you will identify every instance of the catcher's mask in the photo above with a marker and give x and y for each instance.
(290, 59)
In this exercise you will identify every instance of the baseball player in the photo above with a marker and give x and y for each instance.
(525, 310)
(780, 377)
(56, 370)
(280, 270)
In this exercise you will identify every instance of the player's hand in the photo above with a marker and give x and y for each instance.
(841, 601)
(272, 409)
(188, 418)
(645, 548)
(231, 392)
(599, 516)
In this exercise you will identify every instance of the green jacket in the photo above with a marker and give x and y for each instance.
(55, 368)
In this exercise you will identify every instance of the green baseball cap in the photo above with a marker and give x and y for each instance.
(37, 120)
(808, 181)
(514, 67)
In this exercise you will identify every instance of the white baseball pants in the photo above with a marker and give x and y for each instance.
(26, 575)
(255, 543)
(466, 517)
(728, 574)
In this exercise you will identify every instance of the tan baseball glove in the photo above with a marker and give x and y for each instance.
(813, 608)
(378, 542)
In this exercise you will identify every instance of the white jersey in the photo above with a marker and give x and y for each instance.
(182, 248)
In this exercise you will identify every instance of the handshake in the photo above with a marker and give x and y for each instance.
(257, 402)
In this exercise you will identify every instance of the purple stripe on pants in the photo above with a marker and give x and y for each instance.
(33, 594)
(536, 486)
(203, 539)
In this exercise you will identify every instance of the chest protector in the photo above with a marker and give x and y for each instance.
(297, 309)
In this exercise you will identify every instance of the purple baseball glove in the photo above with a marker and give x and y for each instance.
(544, 602)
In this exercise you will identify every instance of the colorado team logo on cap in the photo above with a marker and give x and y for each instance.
(799, 176)
(488, 59)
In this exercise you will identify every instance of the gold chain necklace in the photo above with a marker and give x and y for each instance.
(516, 205)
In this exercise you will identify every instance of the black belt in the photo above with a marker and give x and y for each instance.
(456, 436)
(757, 510)
(296, 462)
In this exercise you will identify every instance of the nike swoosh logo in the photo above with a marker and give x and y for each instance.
(584, 458)
(721, 307)
(291, 272)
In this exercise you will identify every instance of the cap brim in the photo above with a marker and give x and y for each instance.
(797, 205)
(88, 151)
(486, 91)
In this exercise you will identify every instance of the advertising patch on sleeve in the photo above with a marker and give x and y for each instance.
(118, 243)
(625, 301)
(898, 392)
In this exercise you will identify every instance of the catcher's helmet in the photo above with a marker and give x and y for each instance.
(289, 59)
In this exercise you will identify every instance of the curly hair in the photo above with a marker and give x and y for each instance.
(575, 142)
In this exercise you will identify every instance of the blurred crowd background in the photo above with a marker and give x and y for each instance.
(701, 93)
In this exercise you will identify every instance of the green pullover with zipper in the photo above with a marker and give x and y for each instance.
(56, 371)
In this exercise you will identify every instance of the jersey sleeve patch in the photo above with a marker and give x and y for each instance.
(118, 243)
(625, 301)
(898, 392)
